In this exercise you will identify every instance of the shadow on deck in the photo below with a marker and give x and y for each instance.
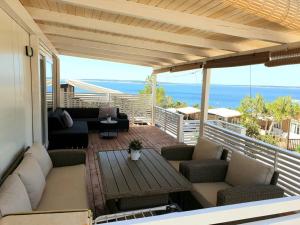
(152, 137)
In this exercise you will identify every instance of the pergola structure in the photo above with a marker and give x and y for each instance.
(168, 35)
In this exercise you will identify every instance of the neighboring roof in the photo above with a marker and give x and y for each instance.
(188, 110)
(91, 87)
(172, 110)
(224, 112)
(149, 33)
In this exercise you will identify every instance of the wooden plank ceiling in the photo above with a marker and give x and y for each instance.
(154, 33)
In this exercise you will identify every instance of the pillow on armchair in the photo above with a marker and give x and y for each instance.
(243, 170)
(206, 149)
(108, 111)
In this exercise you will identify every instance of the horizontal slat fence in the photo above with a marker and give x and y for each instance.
(191, 131)
(170, 122)
(137, 107)
(286, 162)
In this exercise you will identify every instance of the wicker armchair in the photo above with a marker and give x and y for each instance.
(220, 183)
(181, 153)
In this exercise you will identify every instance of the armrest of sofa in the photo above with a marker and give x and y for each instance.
(177, 152)
(248, 193)
(67, 157)
(122, 116)
(202, 171)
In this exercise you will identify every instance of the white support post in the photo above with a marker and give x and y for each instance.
(204, 99)
(56, 66)
(180, 137)
(36, 93)
(153, 91)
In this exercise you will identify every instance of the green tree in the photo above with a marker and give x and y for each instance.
(160, 92)
(162, 99)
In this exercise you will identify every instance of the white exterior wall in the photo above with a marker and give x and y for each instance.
(15, 91)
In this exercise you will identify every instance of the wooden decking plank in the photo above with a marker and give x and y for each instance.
(118, 175)
(128, 174)
(171, 170)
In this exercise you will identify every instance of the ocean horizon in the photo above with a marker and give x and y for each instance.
(228, 96)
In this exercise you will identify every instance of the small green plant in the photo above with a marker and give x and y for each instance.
(135, 145)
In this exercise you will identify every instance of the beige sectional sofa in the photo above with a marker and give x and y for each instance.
(46, 182)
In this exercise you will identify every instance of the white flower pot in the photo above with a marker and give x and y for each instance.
(135, 154)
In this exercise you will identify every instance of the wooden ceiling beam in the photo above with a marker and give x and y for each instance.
(110, 54)
(186, 51)
(133, 31)
(171, 58)
(143, 11)
(87, 48)
(100, 57)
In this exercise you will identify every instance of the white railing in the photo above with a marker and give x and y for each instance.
(170, 122)
(137, 107)
(229, 126)
(191, 131)
(282, 211)
(286, 162)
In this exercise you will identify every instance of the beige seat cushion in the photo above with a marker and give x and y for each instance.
(206, 193)
(33, 179)
(41, 155)
(65, 189)
(243, 170)
(175, 164)
(13, 196)
(206, 149)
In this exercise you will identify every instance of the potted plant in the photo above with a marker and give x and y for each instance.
(134, 149)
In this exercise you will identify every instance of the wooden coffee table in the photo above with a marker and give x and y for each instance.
(139, 184)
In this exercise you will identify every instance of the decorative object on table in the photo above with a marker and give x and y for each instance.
(108, 118)
(134, 149)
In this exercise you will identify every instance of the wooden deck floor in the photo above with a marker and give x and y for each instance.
(152, 137)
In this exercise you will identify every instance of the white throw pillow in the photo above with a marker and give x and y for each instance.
(13, 196)
(33, 179)
(68, 121)
(41, 155)
(243, 170)
(206, 149)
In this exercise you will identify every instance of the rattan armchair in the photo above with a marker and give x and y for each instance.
(212, 185)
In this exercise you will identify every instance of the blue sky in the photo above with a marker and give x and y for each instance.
(80, 68)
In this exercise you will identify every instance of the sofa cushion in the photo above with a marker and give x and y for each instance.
(13, 196)
(65, 189)
(68, 121)
(243, 170)
(41, 155)
(206, 149)
(33, 179)
(175, 164)
(206, 193)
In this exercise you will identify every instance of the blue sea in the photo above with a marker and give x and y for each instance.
(228, 96)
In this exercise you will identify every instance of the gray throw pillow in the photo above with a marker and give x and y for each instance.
(67, 119)
(108, 111)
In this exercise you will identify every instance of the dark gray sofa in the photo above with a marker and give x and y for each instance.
(61, 136)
